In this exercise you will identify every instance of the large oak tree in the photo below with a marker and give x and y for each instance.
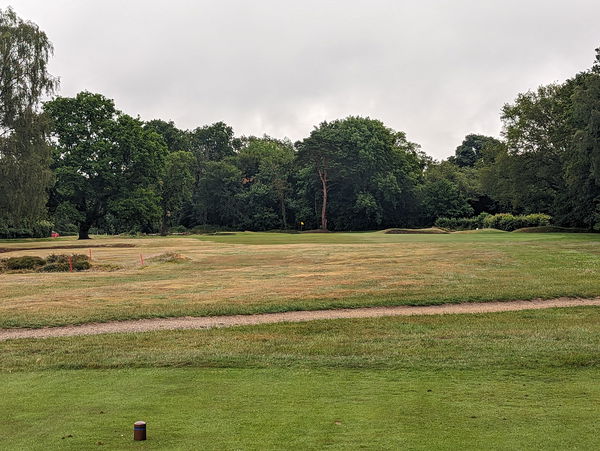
(105, 163)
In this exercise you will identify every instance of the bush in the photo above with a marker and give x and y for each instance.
(508, 222)
(178, 229)
(26, 262)
(537, 220)
(55, 267)
(42, 229)
(462, 223)
(60, 262)
(501, 221)
(39, 229)
(53, 263)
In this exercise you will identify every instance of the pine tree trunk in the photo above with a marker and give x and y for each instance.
(283, 215)
(323, 176)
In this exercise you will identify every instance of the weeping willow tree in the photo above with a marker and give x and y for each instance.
(25, 155)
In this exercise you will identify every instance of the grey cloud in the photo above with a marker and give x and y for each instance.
(435, 69)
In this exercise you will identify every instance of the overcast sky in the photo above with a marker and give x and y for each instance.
(435, 69)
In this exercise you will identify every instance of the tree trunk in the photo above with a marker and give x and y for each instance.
(283, 215)
(164, 228)
(323, 176)
(84, 231)
(164, 224)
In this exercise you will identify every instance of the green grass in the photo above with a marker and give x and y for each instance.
(484, 235)
(554, 338)
(515, 380)
(289, 409)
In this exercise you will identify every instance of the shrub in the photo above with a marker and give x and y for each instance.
(178, 229)
(55, 267)
(508, 222)
(39, 229)
(501, 221)
(60, 263)
(26, 262)
(42, 229)
(537, 220)
(53, 263)
(462, 223)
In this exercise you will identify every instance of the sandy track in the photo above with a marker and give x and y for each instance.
(208, 322)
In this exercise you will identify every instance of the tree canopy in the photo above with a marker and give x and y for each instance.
(366, 173)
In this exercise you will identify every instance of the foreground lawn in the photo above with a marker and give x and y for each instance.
(266, 272)
(520, 380)
(291, 409)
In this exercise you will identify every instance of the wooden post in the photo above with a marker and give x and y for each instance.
(139, 430)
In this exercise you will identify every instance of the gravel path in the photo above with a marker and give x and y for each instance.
(207, 322)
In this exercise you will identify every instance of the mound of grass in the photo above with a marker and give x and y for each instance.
(431, 230)
(169, 257)
(466, 232)
(550, 229)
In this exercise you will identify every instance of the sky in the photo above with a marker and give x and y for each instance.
(435, 69)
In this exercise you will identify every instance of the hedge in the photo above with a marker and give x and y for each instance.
(501, 221)
(40, 229)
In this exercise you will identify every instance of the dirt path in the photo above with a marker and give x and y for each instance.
(208, 322)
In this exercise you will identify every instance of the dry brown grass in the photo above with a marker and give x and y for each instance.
(212, 278)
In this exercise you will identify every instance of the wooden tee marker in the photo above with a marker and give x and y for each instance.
(139, 430)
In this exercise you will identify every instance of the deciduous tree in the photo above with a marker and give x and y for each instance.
(24, 154)
(105, 162)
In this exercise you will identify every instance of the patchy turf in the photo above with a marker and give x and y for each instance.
(557, 338)
(271, 272)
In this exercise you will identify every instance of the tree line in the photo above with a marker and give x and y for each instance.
(78, 164)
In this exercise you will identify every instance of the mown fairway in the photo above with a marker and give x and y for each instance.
(522, 380)
(260, 272)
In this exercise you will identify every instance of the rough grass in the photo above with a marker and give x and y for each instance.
(553, 338)
(261, 272)
(515, 380)
(550, 229)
